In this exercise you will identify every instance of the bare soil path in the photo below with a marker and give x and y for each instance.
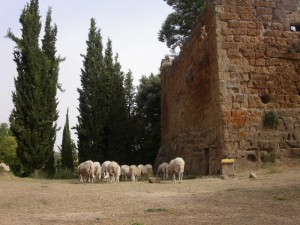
(272, 198)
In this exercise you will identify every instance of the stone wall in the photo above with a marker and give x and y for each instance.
(258, 73)
(191, 119)
(237, 65)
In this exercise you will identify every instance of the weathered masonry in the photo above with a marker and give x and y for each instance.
(241, 63)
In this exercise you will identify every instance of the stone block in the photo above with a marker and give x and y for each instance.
(252, 175)
(228, 167)
(154, 180)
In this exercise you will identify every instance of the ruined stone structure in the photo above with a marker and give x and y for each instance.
(240, 62)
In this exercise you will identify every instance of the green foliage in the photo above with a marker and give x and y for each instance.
(147, 120)
(116, 129)
(33, 119)
(156, 210)
(4, 130)
(67, 147)
(102, 120)
(64, 174)
(130, 104)
(270, 120)
(272, 168)
(8, 146)
(113, 122)
(191, 177)
(178, 25)
(93, 97)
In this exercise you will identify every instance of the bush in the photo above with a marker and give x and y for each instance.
(272, 168)
(64, 174)
(270, 120)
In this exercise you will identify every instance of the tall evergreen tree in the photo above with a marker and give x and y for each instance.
(147, 119)
(67, 147)
(34, 115)
(117, 120)
(50, 86)
(129, 93)
(130, 104)
(92, 99)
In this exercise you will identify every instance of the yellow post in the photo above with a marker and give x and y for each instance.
(228, 167)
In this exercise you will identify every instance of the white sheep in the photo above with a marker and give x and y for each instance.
(144, 170)
(97, 171)
(104, 170)
(114, 171)
(134, 172)
(86, 171)
(176, 166)
(162, 171)
(150, 169)
(5, 167)
(124, 172)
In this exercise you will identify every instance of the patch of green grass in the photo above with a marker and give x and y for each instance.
(232, 189)
(137, 224)
(144, 178)
(64, 174)
(156, 210)
(273, 169)
(280, 197)
(191, 177)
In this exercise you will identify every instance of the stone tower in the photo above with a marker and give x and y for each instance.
(241, 62)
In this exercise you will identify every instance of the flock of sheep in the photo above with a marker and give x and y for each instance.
(110, 171)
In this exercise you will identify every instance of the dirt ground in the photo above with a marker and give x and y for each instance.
(272, 198)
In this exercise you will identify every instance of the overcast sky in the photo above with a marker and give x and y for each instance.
(132, 26)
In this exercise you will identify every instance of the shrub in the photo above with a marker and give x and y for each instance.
(64, 174)
(156, 210)
(270, 120)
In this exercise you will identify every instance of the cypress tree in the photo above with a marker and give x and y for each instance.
(67, 161)
(34, 114)
(130, 104)
(118, 120)
(91, 99)
(102, 121)
(50, 84)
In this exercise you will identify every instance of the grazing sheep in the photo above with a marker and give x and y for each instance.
(134, 172)
(162, 171)
(150, 169)
(97, 171)
(144, 170)
(86, 171)
(4, 167)
(104, 170)
(114, 171)
(125, 172)
(176, 166)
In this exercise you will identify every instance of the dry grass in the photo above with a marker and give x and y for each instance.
(272, 198)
